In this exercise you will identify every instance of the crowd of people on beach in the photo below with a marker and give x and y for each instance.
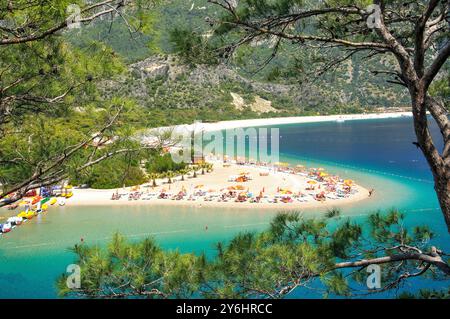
(320, 186)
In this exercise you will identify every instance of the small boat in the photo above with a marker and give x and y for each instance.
(6, 228)
(45, 200)
(61, 202)
(30, 214)
(36, 200)
(22, 215)
(69, 195)
(53, 201)
(15, 220)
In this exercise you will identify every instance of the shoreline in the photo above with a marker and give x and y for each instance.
(201, 204)
(96, 197)
(218, 180)
(224, 125)
(302, 120)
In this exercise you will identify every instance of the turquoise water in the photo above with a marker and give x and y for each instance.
(376, 153)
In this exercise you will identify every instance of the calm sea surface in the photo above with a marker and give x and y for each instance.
(378, 154)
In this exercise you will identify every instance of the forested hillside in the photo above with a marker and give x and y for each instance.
(172, 77)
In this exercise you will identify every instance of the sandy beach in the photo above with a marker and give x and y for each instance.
(224, 125)
(216, 183)
(301, 119)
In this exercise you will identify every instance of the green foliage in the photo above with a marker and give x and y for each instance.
(293, 253)
(179, 30)
(37, 142)
(163, 163)
(138, 267)
(52, 102)
(116, 172)
(440, 88)
(333, 213)
(427, 294)
(114, 35)
(337, 284)
(192, 48)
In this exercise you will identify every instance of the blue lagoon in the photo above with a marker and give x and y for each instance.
(378, 154)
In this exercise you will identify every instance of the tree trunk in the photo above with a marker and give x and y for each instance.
(439, 164)
(442, 187)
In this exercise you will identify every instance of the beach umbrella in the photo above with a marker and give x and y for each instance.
(231, 188)
(348, 182)
(312, 182)
(199, 186)
(321, 169)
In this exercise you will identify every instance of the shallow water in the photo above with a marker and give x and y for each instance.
(376, 153)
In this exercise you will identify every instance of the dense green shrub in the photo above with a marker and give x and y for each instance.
(113, 173)
(163, 163)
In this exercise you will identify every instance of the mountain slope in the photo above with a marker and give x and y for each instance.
(171, 91)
